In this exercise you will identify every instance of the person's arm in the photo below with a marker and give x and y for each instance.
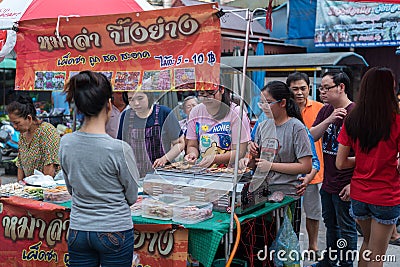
(50, 140)
(20, 175)
(50, 170)
(302, 166)
(225, 158)
(343, 161)
(317, 131)
(177, 146)
(128, 173)
(192, 150)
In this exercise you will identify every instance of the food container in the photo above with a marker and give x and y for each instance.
(59, 194)
(161, 208)
(136, 209)
(192, 212)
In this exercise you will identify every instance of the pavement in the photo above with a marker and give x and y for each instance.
(393, 252)
(7, 179)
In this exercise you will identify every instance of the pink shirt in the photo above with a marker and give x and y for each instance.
(222, 134)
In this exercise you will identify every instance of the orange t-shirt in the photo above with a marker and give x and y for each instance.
(309, 114)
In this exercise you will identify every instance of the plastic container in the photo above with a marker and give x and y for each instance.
(136, 209)
(161, 208)
(56, 195)
(173, 199)
(192, 212)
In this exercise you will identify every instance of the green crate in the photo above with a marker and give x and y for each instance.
(235, 263)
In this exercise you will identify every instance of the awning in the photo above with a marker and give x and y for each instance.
(8, 63)
(292, 62)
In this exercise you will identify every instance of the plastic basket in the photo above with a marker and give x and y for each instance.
(235, 263)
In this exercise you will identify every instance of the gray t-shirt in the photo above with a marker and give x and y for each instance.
(100, 173)
(293, 145)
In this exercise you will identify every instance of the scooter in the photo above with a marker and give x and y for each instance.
(9, 138)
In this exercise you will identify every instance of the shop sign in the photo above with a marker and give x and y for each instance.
(34, 234)
(356, 24)
(158, 50)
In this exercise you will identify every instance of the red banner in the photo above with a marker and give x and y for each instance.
(33, 234)
(158, 50)
(159, 245)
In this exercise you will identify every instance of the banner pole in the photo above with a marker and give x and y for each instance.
(235, 176)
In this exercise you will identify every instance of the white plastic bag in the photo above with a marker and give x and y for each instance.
(39, 179)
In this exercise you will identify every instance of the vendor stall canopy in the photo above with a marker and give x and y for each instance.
(295, 62)
(13, 11)
(50, 9)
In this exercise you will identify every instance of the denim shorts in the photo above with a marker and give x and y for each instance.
(382, 214)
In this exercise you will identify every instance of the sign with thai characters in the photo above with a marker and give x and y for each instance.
(158, 50)
(356, 24)
(34, 234)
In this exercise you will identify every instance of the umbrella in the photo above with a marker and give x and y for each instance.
(12, 11)
(40, 9)
(258, 78)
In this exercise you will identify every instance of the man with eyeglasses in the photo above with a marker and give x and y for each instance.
(335, 190)
(299, 83)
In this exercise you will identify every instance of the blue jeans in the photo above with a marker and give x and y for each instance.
(94, 248)
(341, 233)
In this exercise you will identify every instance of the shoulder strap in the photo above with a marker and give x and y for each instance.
(127, 124)
(156, 121)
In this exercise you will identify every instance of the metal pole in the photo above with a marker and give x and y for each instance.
(235, 175)
(4, 91)
(314, 88)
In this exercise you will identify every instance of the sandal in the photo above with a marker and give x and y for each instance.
(395, 242)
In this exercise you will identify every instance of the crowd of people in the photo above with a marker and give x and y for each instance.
(338, 159)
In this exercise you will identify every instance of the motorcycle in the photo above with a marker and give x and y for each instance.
(9, 138)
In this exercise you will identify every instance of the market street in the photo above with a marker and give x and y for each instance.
(392, 250)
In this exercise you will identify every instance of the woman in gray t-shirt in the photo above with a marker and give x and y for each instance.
(101, 175)
(293, 153)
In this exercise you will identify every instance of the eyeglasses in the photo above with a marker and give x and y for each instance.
(207, 93)
(261, 104)
(326, 89)
(302, 88)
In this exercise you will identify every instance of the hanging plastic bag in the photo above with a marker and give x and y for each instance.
(286, 245)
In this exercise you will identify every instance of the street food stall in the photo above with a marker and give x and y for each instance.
(33, 233)
(127, 49)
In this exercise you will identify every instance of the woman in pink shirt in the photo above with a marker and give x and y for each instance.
(213, 129)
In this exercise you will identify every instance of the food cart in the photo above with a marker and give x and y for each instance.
(33, 233)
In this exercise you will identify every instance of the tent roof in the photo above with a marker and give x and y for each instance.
(296, 61)
(8, 63)
(39, 9)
